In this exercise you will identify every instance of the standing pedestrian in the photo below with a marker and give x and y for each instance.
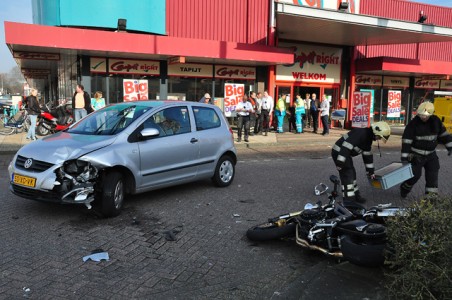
(291, 117)
(325, 114)
(419, 141)
(252, 100)
(355, 142)
(34, 110)
(243, 110)
(300, 110)
(258, 123)
(81, 103)
(266, 111)
(280, 113)
(205, 99)
(314, 109)
(97, 102)
(307, 100)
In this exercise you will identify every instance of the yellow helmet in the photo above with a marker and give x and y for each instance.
(382, 130)
(426, 109)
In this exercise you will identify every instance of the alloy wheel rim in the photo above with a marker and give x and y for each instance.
(118, 194)
(226, 171)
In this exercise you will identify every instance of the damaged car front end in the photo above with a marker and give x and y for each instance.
(69, 181)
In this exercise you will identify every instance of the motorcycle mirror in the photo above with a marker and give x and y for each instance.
(334, 179)
(320, 189)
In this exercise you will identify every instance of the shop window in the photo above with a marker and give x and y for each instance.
(188, 88)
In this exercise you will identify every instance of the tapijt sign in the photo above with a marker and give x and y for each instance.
(190, 70)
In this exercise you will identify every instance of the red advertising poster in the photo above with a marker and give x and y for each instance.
(233, 94)
(135, 90)
(394, 104)
(361, 109)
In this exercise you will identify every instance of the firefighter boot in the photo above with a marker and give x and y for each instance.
(404, 191)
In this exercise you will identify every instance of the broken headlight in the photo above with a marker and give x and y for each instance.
(79, 170)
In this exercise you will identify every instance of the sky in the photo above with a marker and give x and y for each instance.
(20, 11)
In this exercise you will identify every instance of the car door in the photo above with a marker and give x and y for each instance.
(211, 137)
(171, 156)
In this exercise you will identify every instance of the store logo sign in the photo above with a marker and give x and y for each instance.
(125, 66)
(368, 80)
(427, 83)
(321, 59)
(235, 72)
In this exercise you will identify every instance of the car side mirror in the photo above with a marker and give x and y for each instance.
(149, 132)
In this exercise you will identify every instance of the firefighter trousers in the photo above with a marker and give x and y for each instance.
(431, 166)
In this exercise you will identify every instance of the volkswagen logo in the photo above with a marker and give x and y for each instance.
(28, 163)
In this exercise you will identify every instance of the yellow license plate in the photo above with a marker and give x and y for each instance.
(24, 180)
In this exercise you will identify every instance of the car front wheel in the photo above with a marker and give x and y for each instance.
(112, 198)
(224, 171)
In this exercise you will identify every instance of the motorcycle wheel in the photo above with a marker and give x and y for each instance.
(361, 253)
(271, 231)
(41, 130)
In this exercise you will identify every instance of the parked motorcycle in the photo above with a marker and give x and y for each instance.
(342, 230)
(55, 119)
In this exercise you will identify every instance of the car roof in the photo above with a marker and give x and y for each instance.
(158, 103)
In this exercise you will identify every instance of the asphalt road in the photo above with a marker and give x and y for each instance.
(189, 242)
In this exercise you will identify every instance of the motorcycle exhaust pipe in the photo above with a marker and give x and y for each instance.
(306, 244)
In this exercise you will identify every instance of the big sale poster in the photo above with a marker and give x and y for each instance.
(361, 109)
(135, 89)
(233, 95)
(394, 104)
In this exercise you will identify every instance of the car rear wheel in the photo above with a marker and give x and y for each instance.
(224, 171)
(112, 197)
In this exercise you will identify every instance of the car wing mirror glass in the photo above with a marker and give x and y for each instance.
(150, 132)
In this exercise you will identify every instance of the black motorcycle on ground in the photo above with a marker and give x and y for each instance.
(342, 230)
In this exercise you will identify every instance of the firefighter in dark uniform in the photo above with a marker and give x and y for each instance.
(419, 141)
(355, 142)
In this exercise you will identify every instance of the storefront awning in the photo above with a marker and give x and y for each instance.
(401, 67)
(34, 39)
(302, 23)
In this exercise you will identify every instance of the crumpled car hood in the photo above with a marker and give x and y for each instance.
(62, 146)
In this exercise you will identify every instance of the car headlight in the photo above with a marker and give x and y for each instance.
(75, 167)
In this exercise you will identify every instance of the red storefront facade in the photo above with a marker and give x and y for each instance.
(270, 39)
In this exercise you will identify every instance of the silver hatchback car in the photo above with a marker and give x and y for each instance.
(126, 148)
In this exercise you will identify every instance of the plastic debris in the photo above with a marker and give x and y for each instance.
(97, 255)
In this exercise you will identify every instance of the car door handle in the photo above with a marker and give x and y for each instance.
(193, 140)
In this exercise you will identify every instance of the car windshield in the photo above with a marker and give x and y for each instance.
(110, 120)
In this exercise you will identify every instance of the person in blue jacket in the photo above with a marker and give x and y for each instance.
(299, 112)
